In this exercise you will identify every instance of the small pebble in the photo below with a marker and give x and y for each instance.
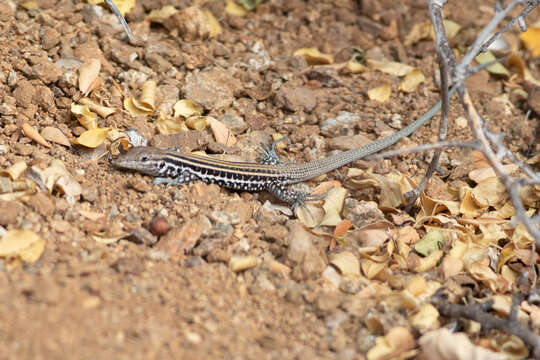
(159, 226)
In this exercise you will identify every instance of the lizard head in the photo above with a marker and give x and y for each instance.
(146, 160)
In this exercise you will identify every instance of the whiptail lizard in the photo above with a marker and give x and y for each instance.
(174, 168)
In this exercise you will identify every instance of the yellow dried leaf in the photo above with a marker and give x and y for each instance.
(24, 244)
(158, 16)
(92, 138)
(333, 204)
(531, 39)
(168, 126)
(314, 57)
(33, 134)
(102, 111)
(30, 5)
(451, 266)
(451, 28)
(215, 28)
(443, 344)
(147, 101)
(429, 262)
(418, 32)
(87, 118)
(310, 215)
(233, 8)
(416, 285)
(371, 268)
(478, 175)
(470, 208)
(221, 133)
(124, 6)
(393, 345)
(196, 122)
(354, 67)
(390, 67)
(187, 108)
(88, 76)
(55, 135)
(346, 262)
(489, 192)
(133, 107)
(426, 319)
(380, 93)
(411, 81)
(241, 263)
(497, 68)
(15, 170)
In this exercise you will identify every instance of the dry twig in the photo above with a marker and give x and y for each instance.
(489, 143)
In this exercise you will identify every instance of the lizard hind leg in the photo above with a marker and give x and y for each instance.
(295, 197)
(269, 156)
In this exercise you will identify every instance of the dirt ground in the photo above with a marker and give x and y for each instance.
(179, 295)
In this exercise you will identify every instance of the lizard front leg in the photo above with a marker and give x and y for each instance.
(185, 177)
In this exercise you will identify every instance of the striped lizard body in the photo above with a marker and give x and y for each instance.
(175, 168)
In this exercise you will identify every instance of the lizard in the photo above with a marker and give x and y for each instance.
(173, 167)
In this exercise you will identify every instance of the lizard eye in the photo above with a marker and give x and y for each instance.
(161, 164)
(144, 159)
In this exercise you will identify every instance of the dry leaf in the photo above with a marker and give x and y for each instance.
(451, 266)
(241, 263)
(30, 5)
(145, 105)
(88, 76)
(92, 138)
(102, 111)
(478, 175)
(353, 67)
(158, 16)
(23, 244)
(87, 118)
(531, 39)
(309, 214)
(33, 134)
(221, 133)
(196, 122)
(187, 108)
(333, 204)
(497, 68)
(394, 345)
(429, 262)
(431, 242)
(233, 8)
(427, 318)
(380, 93)
(55, 135)
(489, 192)
(215, 28)
(441, 344)
(372, 268)
(15, 170)
(411, 81)
(342, 228)
(314, 57)
(346, 262)
(390, 67)
(124, 6)
(166, 125)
